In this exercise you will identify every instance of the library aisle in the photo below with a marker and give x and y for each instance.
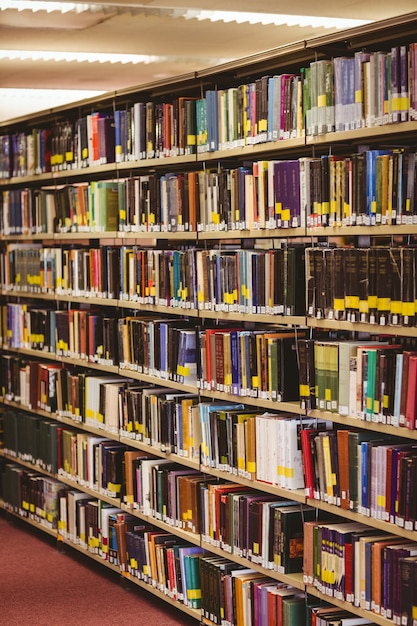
(43, 586)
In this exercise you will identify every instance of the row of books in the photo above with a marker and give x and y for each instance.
(30, 495)
(245, 363)
(183, 572)
(264, 195)
(367, 89)
(369, 284)
(92, 461)
(357, 471)
(366, 188)
(162, 348)
(86, 272)
(373, 381)
(224, 435)
(261, 363)
(374, 285)
(242, 280)
(237, 519)
(366, 568)
(227, 593)
(361, 471)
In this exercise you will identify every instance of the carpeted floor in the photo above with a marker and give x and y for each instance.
(43, 586)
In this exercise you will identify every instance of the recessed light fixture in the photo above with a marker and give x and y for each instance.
(239, 17)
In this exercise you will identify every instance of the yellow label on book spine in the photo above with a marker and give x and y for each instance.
(251, 467)
(286, 215)
(182, 370)
(395, 307)
(358, 96)
(408, 308)
(384, 304)
(363, 306)
(114, 487)
(380, 501)
(321, 100)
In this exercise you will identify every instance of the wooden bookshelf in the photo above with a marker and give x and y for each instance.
(293, 58)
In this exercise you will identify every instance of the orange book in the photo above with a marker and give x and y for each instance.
(343, 464)
(377, 565)
(250, 447)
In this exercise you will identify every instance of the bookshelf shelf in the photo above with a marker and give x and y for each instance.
(283, 233)
(180, 532)
(353, 422)
(287, 407)
(374, 617)
(252, 151)
(310, 152)
(297, 495)
(362, 327)
(380, 230)
(39, 525)
(27, 464)
(386, 527)
(175, 458)
(195, 613)
(75, 484)
(156, 380)
(90, 555)
(376, 133)
(277, 320)
(295, 580)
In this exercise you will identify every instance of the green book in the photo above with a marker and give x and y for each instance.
(294, 611)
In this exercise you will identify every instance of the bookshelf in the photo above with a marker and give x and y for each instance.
(223, 236)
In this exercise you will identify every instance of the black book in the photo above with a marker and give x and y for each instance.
(396, 286)
(307, 379)
(383, 285)
(408, 273)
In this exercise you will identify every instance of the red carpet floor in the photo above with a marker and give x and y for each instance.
(43, 586)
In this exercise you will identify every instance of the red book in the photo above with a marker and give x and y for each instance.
(307, 461)
(411, 402)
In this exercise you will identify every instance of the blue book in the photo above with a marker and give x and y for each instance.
(371, 185)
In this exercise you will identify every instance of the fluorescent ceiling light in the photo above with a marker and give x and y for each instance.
(239, 17)
(49, 7)
(24, 101)
(79, 57)
(100, 57)
(276, 19)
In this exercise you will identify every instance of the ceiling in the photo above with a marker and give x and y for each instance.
(154, 27)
